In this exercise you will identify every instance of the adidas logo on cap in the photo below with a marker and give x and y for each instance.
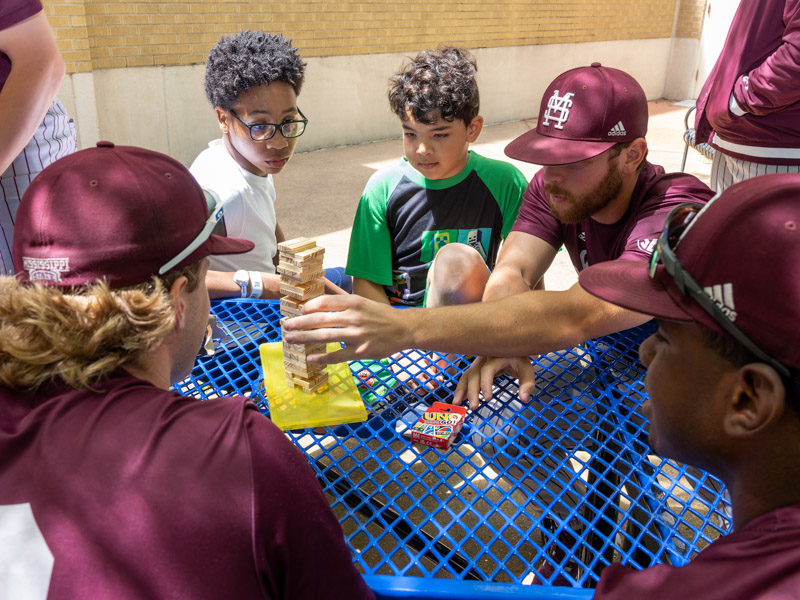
(618, 129)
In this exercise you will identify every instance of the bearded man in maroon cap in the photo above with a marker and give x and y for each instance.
(596, 195)
(111, 484)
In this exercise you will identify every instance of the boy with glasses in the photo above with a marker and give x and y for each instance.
(252, 80)
(723, 376)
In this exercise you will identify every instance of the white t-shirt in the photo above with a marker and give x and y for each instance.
(249, 208)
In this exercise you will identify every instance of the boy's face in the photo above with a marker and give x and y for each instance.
(272, 103)
(688, 384)
(439, 150)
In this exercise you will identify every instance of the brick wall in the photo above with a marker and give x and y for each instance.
(690, 18)
(103, 34)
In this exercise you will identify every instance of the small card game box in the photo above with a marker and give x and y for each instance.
(439, 426)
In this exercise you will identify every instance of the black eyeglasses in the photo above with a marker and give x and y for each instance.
(676, 226)
(261, 132)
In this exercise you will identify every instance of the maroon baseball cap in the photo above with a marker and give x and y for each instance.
(114, 213)
(583, 113)
(743, 249)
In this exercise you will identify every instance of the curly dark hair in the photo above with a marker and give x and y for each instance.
(249, 59)
(437, 84)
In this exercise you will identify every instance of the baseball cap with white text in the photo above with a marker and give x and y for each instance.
(743, 251)
(116, 213)
(584, 112)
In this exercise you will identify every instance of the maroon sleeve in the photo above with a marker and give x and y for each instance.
(16, 11)
(773, 84)
(663, 193)
(298, 543)
(534, 215)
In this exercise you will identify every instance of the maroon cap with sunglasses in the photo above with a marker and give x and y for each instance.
(583, 113)
(115, 213)
(742, 249)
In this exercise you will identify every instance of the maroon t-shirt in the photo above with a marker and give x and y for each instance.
(633, 237)
(11, 13)
(761, 561)
(140, 492)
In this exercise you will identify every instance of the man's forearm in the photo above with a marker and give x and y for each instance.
(533, 322)
(504, 282)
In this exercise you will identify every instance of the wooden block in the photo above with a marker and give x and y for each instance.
(313, 264)
(303, 291)
(296, 245)
(307, 255)
(307, 384)
(315, 258)
(298, 352)
(291, 307)
(301, 368)
(300, 274)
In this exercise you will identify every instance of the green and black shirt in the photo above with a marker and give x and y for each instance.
(403, 219)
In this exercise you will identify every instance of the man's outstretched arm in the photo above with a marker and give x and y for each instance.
(533, 322)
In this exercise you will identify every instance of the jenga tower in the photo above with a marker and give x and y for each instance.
(301, 273)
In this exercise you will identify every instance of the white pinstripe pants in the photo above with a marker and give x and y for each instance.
(726, 170)
(54, 138)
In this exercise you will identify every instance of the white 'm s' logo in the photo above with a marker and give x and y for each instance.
(558, 109)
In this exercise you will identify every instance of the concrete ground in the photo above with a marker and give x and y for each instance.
(318, 191)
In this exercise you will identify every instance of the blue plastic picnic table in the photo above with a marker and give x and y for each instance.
(567, 478)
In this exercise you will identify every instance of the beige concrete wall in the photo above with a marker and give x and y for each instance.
(135, 68)
(344, 97)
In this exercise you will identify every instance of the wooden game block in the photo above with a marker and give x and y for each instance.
(301, 368)
(315, 264)
(300, 274)
(303, 291)
(307, 384)
(307, 255)
(298, 352)
(291, 307)
(309, 262)
(296, 245)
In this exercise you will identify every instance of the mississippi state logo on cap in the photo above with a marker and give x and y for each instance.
(583, 113)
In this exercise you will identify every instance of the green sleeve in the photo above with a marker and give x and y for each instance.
(370, 253)
(507, 184)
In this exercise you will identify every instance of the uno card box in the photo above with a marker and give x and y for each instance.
(439, 426)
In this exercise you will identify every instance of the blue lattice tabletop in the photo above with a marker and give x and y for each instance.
(560, 486)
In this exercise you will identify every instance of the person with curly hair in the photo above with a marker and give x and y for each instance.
(112, 484)
(252, 80)
(428, 229)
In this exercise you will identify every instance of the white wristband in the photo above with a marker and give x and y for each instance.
(241, 277)
(256, 285)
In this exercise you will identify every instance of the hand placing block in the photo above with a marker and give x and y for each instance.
(301, 274)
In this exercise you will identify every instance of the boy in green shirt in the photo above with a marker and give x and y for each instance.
(428, 229)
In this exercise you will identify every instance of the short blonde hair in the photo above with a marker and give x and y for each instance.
(81, 337)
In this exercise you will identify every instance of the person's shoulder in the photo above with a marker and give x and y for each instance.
(389, 172)
(383, 181)
(211, 156)
(215, 169)
(483, 163)
(659, 185)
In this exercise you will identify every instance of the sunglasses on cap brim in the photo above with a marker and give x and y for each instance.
(678, 222)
